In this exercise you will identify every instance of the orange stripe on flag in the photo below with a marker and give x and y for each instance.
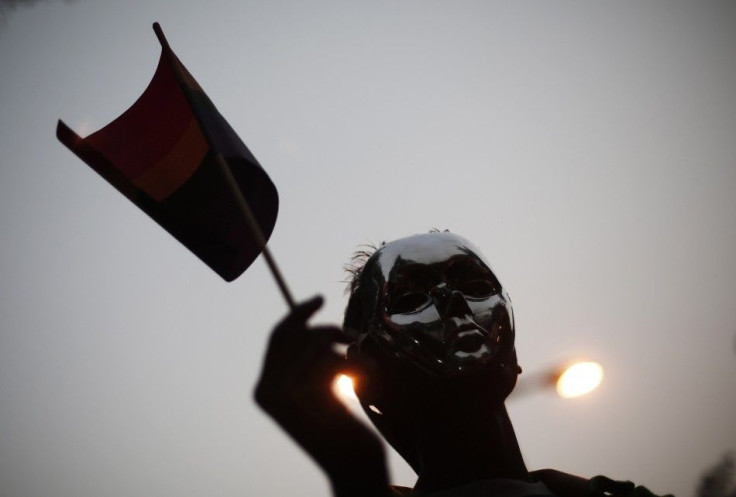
(176, 167)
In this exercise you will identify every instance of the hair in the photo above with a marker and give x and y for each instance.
(355, 315)
(354, 267)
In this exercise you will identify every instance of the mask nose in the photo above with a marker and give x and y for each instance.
(449, 303)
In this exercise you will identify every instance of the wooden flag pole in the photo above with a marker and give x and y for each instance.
(255, 229)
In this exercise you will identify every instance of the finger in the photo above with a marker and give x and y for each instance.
(312, 376)
(304, 310)
(298, 316)
(601, 485)
(331, 334)
(297, 339)
(310, 370)
(301, 347)
(326, 366)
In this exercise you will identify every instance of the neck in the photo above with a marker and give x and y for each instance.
(451, 433)
(459, 441)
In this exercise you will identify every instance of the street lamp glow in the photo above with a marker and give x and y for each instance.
(343, 388)
(579, 379)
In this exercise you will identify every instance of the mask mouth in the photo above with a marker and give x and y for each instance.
(469, 340)
(470, 337)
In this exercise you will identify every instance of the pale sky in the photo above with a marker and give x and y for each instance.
(589, 149)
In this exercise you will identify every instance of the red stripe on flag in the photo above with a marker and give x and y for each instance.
(152, 126)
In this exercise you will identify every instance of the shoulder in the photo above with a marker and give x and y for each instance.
(567, 485)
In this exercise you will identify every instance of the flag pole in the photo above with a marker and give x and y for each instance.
(255, 229)
(227, 174)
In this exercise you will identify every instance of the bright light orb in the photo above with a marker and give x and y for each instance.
(579, 379)
(343, 388)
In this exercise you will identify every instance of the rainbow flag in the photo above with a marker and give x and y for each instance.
(162, 154)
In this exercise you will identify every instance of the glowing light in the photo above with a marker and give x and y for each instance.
(85, 127)
(343, 388)
(579, 379)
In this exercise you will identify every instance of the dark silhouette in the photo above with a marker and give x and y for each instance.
(432, 352)
(720, 480)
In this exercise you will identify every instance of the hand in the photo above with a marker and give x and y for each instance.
(295, 389)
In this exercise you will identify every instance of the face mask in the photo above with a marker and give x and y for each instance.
(432, 300)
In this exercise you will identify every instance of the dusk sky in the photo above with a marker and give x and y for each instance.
(588, 149)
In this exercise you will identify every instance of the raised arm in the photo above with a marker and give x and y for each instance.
(295, 390)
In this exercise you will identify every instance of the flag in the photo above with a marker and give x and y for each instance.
(165, 155)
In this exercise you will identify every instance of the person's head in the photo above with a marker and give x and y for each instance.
(432, 303)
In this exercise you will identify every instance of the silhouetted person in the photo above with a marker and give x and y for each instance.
(431, 334)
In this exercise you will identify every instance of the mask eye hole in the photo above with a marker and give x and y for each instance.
(477, 288)
(410, 302)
